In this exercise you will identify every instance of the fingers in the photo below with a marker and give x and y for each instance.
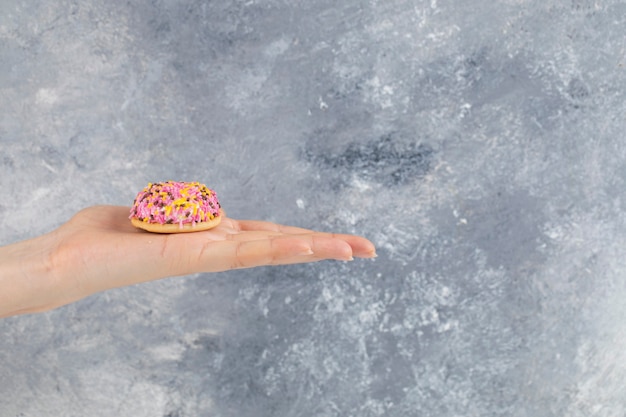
(361, 247)
(276, 250)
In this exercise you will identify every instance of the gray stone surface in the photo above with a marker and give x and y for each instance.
(480, 144)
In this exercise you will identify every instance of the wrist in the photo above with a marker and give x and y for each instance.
(27, 278)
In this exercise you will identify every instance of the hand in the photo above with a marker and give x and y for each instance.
(98, 249)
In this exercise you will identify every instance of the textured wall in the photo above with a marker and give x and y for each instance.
(480, 144)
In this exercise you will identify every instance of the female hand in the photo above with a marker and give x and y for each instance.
(98, 249)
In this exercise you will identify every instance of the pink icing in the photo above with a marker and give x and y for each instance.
(174, 202)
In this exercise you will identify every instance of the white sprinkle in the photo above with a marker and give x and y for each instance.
(323, 104)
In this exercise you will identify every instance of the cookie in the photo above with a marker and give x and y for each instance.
(176, 207)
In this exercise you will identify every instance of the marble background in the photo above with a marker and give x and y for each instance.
(479, 144)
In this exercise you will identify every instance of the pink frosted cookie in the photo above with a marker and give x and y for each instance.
(176, 207)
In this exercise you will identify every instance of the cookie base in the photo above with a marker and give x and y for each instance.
(175, 228)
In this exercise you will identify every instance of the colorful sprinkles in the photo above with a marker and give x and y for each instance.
(173, 202)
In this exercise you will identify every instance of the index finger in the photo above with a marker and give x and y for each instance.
(265, 226)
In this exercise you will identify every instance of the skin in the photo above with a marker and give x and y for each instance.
(99, 249)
